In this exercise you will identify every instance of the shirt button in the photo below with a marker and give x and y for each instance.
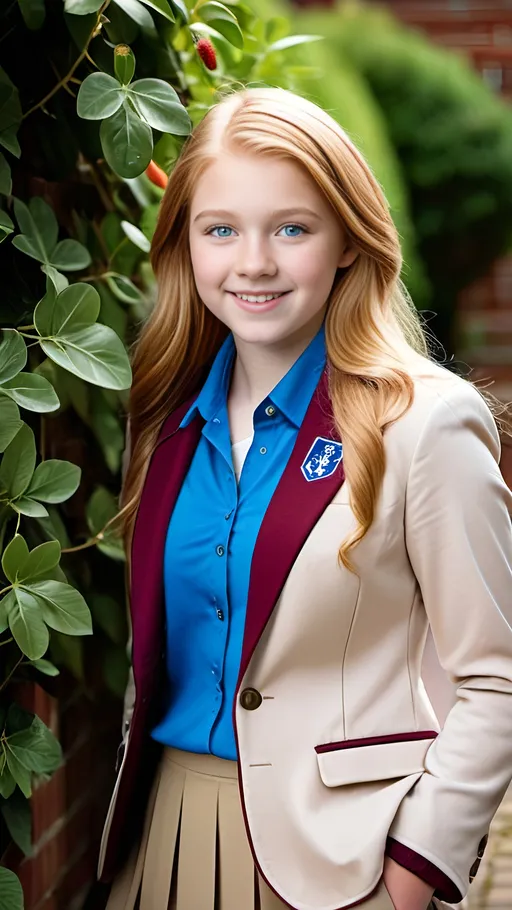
(220, 550)
(215, 420)
(263, 450)
(227, 516)
(220, 614)
(270, 411)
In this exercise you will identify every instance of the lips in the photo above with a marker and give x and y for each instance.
(254, 306)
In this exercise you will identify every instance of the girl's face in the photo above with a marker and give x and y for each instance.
(261, 227)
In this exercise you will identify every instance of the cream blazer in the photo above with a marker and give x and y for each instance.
(343, 749)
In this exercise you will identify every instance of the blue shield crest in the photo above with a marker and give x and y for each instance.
(322, 459)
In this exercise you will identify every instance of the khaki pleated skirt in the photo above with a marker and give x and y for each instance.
(194, 853)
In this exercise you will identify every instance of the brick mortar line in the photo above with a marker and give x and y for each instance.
(61, 822)
(79, 852)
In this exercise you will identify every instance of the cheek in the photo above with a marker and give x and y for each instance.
(206, 263)
(315, 271)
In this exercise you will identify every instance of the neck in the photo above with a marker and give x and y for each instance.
(259, 368)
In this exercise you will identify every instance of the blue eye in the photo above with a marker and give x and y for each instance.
(297, 227)
(220, 227)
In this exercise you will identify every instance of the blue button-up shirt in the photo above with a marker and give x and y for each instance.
(209, 547)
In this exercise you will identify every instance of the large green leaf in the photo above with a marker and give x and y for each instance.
(32, 392)
(10, 421)
(160, 6)
(57, 279)
(223, 20)
(63, 607)
(11, 892)
(25, 616)
(10, 114)
(70, 256)
(39, 561)
(136, 11)
(158, 103)
(5, 177)
(96, 354)
(54, 481)
(76, 307)
(82, 7)
(33, 12)
(13, 354)
(36, 748)
(18, 462)
(39, 237)
(18, 818)
(26, 506)
(14, 555)
(43, 313)
(45, 666)
(21, 775)
(38, 225)
(6, 225)
(4, 624)
(7, 787)
(100, 96)
(127, 142)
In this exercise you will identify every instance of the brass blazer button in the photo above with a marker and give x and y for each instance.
(250, 699)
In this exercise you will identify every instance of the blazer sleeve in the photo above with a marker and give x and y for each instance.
(459, 541)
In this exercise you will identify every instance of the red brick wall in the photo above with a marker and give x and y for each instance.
(68, 810)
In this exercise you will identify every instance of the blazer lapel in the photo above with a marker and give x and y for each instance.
(169, 464)
(294, 509)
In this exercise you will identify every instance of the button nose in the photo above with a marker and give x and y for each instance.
(250, 699)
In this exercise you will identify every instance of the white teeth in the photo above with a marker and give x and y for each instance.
(262, 298)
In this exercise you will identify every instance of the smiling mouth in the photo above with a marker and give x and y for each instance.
(259, 298)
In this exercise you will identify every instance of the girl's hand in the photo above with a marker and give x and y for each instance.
(406, 890)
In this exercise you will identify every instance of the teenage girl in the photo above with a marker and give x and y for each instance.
(306, 493)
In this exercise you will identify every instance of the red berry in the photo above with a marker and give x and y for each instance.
(157, 175)
(206, 51)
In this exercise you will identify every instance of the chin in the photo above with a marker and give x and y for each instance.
(259, 334)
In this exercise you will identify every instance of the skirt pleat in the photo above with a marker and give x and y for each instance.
(197, 847)
(194, 853)
(235, 865)
(163, 835)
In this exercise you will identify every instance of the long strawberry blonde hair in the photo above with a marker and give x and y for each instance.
(373, 332)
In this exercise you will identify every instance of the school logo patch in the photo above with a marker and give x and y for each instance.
(322, 459)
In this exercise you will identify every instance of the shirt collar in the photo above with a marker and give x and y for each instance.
(291, 396)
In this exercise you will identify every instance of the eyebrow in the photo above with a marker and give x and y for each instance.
(281, 213)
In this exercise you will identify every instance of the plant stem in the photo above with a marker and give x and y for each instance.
(7, 678)
(93, 540)
(65, 79)
(6, 642)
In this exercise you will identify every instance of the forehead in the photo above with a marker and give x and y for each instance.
(258, 181)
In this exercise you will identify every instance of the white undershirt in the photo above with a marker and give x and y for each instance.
(239, 452)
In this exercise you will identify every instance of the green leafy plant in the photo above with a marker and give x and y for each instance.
(120, 85)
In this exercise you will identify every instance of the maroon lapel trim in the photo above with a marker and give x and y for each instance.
(293, 511)
(168, 466)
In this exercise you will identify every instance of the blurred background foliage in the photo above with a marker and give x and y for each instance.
(450, 139)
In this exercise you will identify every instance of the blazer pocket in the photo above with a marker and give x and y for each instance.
(356, 761)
